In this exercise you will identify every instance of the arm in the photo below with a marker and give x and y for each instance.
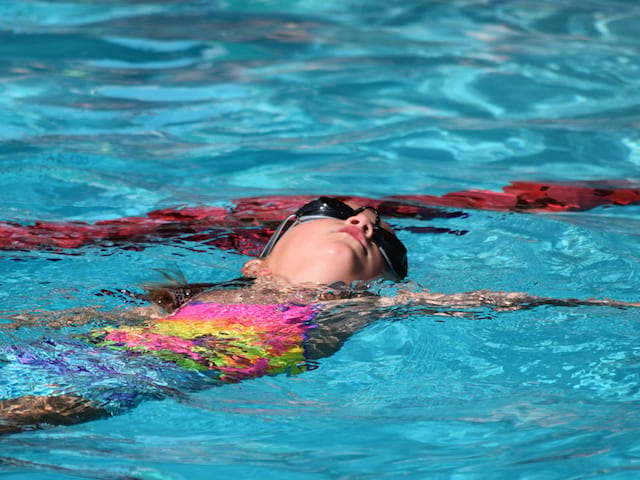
(500, 301)
(81, 316)
(343, 318)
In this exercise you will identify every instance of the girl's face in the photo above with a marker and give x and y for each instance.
(328, 250)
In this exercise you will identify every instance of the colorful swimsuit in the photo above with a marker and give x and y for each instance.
(235, 341)
(200, 345)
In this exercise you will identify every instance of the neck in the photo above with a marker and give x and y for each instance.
(267, 289)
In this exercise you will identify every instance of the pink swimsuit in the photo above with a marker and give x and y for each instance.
(235, 341)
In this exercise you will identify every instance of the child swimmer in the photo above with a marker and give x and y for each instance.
(291, 308)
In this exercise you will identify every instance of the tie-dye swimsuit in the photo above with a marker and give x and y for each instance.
(200, 345)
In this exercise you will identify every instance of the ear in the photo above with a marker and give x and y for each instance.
(255, 268)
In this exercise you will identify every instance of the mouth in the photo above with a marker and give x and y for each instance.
(355, 233)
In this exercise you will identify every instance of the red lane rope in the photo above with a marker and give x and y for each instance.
(247, 226)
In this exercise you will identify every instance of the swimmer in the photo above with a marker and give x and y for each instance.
(299, 301)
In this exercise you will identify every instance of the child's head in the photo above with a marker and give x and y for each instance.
(328, 241)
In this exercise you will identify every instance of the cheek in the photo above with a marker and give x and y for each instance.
(377, 263)
(328, 253)
(305, 237)
(299, 241)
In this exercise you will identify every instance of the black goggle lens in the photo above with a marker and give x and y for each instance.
(325, 206)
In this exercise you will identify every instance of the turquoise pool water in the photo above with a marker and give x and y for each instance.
(111, 109)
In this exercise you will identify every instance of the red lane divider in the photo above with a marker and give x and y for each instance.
(538, 197)
(247, 226)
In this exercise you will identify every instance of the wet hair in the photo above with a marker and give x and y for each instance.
(176, 292)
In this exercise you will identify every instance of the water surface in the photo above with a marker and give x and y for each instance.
(113, 109)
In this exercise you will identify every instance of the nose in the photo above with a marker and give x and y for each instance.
(363, 221)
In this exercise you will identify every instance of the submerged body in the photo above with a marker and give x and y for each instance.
(200, 345)
(210, 341)
(218, 337)
(301, 300)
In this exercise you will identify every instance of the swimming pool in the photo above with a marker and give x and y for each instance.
(113, 109)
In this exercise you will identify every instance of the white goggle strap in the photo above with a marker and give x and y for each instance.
(276, 236)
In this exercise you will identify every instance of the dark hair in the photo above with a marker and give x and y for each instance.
(172, 296)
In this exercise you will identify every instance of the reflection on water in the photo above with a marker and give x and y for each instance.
(112, 109)
(309, 77)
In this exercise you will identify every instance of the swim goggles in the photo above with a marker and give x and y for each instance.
(392, 249)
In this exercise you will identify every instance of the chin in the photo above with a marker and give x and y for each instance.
(343, 252)
(331, 262)
(324, 270)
